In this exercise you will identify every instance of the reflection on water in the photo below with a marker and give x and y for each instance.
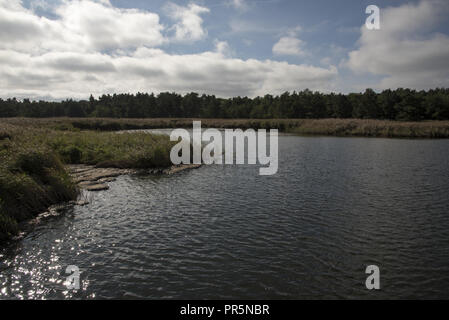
(335, 206)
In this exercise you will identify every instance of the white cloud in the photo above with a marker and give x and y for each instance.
(223, 48)
(102, 26)
(93, 47)
(405, 52)
(290, 46)
(82, 25)
(189, 24)
(11, 4)
(77, 75)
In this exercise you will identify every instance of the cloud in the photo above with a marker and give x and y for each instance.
(63, 75)
(11, 4)
(223, 48)
(289, 46)
(103, 27)
(81, 25)
(405, 52)
(189, 24)
(93, 47)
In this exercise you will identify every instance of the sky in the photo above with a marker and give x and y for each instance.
(58, 49)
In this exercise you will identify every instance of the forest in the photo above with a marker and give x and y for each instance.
(399, 104)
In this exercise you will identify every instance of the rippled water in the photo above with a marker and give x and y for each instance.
(335, 206)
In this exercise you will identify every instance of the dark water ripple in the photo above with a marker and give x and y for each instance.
(336, 206)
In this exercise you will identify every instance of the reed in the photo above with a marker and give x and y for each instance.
(333, 127)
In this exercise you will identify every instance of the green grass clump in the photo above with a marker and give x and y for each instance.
(107, 149)
(30, 181)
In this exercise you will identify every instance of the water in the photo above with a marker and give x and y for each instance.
(335, 206)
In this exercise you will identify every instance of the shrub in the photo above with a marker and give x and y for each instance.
(71, 155)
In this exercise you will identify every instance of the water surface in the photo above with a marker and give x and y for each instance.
(335, 206)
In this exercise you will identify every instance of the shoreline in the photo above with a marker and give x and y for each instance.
(428, 129)
(91, 179)
(34, 159)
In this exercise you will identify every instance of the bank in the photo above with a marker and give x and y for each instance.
(330, 127)
(35, 162)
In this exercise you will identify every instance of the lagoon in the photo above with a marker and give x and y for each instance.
(335, 206)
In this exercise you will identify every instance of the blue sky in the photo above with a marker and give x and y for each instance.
(55, 49)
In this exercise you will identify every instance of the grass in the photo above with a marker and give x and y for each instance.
(31, 180)
(334, 127)
(106, 149)
(33, 157)
(372, 128)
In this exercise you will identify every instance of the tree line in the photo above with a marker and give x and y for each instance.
(399, 104)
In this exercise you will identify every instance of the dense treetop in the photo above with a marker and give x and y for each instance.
(400, 104)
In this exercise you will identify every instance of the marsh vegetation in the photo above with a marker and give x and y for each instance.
(332, 127)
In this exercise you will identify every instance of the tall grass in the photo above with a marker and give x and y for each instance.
(106, 149)
(31, 180)
(334, 127)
